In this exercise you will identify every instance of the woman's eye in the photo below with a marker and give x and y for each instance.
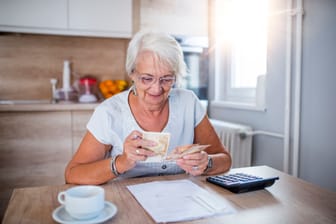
(168, 79)
(147, 79)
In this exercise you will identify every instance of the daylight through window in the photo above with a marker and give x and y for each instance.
(241, 49)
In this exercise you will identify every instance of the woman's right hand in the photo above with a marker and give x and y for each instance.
(134, 150)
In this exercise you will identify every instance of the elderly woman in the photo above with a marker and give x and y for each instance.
(114, 146)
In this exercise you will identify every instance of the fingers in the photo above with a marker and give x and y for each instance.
(194, 163)
(134, 135)
(135, 147)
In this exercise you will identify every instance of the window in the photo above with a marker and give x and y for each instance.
(240, 51)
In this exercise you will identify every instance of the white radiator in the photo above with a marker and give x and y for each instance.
(236, 140)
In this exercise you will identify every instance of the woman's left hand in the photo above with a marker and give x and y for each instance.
(194, 163)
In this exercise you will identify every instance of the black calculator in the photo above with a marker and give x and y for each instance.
(241, 182)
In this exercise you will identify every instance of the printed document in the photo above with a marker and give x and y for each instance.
(178, 200)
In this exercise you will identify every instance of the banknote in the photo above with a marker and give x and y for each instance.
(162, 140)
(187, 149)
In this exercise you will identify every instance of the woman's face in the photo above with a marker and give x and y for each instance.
(153, 80)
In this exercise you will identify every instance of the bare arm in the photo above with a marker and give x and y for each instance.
(205, 134)
(88, 165)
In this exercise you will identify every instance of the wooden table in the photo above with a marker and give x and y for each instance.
(289, 200)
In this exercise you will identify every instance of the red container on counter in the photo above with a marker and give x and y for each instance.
(87, 90)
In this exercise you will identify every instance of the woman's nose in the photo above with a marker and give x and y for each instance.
(157, 86)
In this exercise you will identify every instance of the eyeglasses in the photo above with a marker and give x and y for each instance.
(148, 80)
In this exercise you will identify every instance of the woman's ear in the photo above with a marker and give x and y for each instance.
(134, 90)
(133, 87)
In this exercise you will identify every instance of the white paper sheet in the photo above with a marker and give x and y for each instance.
(178, 200)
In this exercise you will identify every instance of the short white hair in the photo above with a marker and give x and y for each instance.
(164, 46)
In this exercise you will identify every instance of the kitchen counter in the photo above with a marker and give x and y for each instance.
(37, 140)
(45, 106)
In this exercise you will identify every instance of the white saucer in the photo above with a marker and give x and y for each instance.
(62, 216)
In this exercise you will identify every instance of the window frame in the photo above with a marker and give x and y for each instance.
(225, 95)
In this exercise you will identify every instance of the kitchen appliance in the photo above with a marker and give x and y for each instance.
(66, 93)
(195, 51)
(87, 89)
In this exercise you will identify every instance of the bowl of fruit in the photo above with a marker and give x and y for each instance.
(109, 88)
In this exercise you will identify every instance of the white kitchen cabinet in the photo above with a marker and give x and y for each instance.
(16, 14)
(187, 17)
(101, 18)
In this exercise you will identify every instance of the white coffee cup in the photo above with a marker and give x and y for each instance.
(83, 202)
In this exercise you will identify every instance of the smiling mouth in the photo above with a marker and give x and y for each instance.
(155, 95)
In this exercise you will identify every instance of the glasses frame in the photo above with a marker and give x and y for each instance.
(142, 76)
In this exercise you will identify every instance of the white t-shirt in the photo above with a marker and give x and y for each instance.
(112, 121)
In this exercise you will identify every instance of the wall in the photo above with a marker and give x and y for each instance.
(28, 62)
(318, 109)
(318, 138)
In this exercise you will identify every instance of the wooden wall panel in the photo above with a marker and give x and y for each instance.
(28, 62)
